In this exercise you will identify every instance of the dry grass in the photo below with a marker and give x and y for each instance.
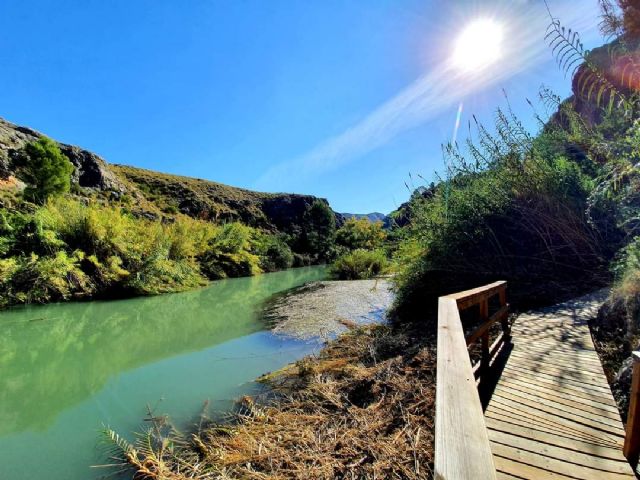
(616, 334)
(363, 408)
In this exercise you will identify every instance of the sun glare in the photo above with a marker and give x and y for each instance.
(478, 45)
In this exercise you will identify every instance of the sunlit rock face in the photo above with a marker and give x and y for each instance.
(91, 171)
(612, 72)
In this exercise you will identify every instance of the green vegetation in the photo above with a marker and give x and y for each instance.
(361, 234)
(359, 246)
(154, 233)
(45, 169)
(319, 231)
(275, 253)
(202, 199)
(360, 264)
(68, 249)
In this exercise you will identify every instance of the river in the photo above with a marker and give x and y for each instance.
(69, 369)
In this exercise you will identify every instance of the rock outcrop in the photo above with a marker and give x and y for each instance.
(91, 171)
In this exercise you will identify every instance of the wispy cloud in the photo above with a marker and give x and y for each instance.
(441, 88)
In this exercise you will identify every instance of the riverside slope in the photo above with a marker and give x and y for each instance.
(154, 194)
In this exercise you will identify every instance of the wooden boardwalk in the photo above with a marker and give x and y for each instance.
(552, 414)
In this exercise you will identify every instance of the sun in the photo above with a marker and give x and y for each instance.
(478, 45)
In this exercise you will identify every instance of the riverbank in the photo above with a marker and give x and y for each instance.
(363, 408)
(360, 408)
(326, 309)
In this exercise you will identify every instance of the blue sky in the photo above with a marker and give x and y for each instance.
(340, 99)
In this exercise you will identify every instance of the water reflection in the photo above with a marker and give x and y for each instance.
(56, 356)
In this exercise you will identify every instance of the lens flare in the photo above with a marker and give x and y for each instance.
(478, 45)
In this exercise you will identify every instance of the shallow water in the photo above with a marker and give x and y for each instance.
(67, 370)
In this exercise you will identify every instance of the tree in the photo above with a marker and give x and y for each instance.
(45, 169)
(361, 233)
(319, 229)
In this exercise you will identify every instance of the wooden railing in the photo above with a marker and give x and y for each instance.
(631, 448)
(462, 450)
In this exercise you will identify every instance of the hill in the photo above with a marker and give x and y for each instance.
(155, 195)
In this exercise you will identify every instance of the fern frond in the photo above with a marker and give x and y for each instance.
(566, 47)
(591, 83)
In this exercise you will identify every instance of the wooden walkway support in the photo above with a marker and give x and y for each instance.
(551, 414)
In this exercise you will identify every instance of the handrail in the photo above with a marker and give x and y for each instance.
(631, 448)
(462, 449)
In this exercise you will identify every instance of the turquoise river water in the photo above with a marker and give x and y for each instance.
(67, 370)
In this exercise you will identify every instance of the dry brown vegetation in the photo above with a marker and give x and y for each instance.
(363, 408)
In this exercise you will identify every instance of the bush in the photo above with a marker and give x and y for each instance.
(45, 170)
(626, 289)
(42, 279)
(360, 264)
(229, 253)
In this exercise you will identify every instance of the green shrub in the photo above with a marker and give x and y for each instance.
(360, 264)
(229, 253)
(45, 170)
(626, 269)
(43, 279)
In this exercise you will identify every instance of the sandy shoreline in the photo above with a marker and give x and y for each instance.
(324, 309)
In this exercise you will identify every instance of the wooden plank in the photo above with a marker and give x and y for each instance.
(507, 476)
(523, 470)
(571, 413)
(560, 467)
(597, 401)
(612, 418)
(528, 345)
(632, 435)
(553, 377)
(549, 422)
(589, 356)
(548, 450)
(559, 361)
(541, 436)
(588, 378)
(462, 449)
(576, 402)
(468, 298)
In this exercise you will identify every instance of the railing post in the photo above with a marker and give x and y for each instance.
(484, 316)
(506, 329)
(632, 436)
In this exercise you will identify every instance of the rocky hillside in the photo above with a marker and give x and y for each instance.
(154, 194)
